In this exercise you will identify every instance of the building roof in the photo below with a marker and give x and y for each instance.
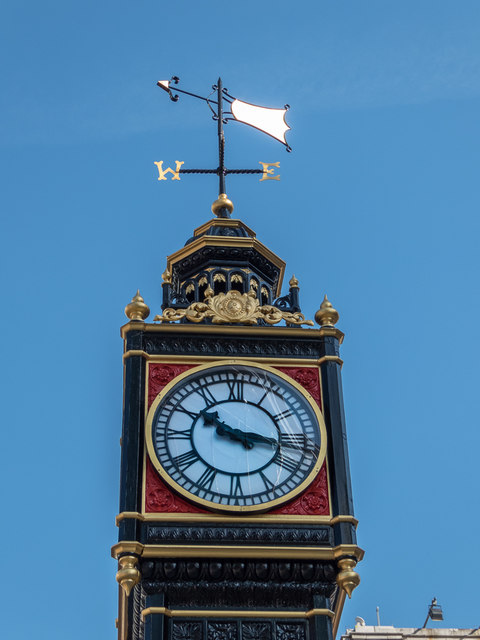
(366, 632)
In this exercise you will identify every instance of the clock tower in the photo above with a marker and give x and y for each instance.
(236, 518)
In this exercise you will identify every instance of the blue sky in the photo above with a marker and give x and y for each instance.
(377, 206)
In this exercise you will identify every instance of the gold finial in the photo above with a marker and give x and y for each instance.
(220, 204)
(208, 292)
(128, 575)
(348, 579)
(137, 309)
(293, 282)
(327, 316)
(167, 277)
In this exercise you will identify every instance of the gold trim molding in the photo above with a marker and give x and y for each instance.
(230, 551)
(338, 611)
(210, 518)
(250, 331)
(223, 222)
(284, 362)
(234, 613)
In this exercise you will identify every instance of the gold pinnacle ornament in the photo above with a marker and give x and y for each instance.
(128, 575)
(348, 579)
(327, 316)
(137, 309)
(293, 283)
(167, 277)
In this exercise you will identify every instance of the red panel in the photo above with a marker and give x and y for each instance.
(160, 375)
(160, 499)
(312, 502)
(308, 378)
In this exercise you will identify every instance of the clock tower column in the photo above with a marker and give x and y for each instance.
(236, 517)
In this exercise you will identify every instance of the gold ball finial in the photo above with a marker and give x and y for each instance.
(137, 309)
(221, 204)
(167, 277)
(293, 282)
(327, 316)
(348, 579)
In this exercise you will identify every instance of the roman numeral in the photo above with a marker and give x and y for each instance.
(235, 488)
(207, 478)
(178, 434)
(236, 390)
(286, 461)
(263, 397)
(207, 395)
(283, 414)
(186, 460)
(294, 440)
(269, 485)
(192, 414)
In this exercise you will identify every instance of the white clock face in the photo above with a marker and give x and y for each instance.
(236, 437)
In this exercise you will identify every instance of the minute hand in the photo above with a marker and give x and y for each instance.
(256, 437)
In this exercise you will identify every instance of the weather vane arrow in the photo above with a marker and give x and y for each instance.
(269, 121)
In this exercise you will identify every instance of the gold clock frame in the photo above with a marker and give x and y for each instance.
(212, 506)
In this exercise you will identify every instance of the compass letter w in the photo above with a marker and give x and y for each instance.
(162, 173)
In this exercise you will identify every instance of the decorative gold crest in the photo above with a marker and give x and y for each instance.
(232, 308)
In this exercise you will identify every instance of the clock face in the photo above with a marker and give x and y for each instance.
(236, 437)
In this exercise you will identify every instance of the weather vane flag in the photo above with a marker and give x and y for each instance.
(270, 121)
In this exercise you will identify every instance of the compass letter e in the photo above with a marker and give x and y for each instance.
(267, 172)
(162, 173)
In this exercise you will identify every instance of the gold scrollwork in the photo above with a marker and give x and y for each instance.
(232, 307)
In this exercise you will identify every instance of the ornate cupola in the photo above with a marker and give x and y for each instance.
(224, 275)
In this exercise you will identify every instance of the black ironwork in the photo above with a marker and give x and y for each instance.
(219, 116)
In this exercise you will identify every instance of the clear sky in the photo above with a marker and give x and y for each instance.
(378, 205)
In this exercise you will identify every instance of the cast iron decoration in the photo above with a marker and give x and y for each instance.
(270, 121)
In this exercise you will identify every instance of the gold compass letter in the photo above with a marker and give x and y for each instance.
(175, 174)
(268, 173)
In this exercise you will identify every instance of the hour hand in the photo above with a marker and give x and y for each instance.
(223, 429)
(209, 418)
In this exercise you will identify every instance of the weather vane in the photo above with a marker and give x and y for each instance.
(270, 121)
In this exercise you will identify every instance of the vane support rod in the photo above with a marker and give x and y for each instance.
(221, 141)
(189, 93)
